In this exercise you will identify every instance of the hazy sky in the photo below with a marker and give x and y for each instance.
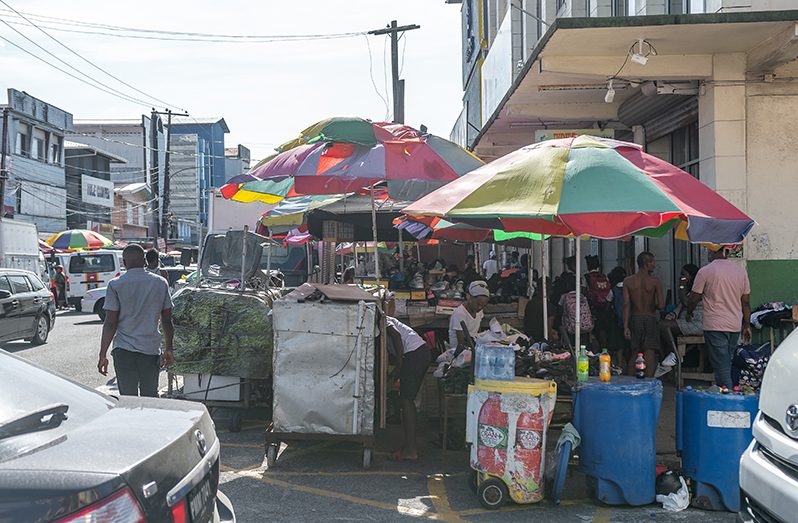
(267, 92)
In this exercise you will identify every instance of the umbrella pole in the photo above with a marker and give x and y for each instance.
(269, 256)
(354, 252)
(529, 272)
(544, 270)
(578, 322)
(374, 231)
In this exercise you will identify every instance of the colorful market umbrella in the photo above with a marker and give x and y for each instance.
(75, 239)
(440, 229)
(587, 186)
(340, 155)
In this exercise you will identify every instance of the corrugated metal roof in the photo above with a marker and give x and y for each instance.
(68, 144)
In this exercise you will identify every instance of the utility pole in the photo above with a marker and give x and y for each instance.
(3, 177)
(164, 201)
(398, 85)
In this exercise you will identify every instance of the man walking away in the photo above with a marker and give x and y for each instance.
(599, 296)
(642, 298)
(153, 264)
(134, 304)
(725, 290)
(60, 287)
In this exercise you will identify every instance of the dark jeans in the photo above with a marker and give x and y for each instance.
(720, 347)
(136, 373)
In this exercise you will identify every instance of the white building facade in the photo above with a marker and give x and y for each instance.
(716, 94)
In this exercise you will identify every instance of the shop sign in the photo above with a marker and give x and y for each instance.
(97, 191)
(556, 134)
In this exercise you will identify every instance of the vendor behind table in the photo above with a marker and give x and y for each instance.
(469, 312)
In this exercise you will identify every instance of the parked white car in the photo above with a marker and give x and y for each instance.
(93, 301)
(769, 467)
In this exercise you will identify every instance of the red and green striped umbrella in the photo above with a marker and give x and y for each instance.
(75, 239)
(587, 186)
(342, 154)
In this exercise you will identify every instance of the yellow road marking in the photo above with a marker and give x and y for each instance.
(243, 445)
(440, 500)
(364, 473)
(602, 515)
(338, 495)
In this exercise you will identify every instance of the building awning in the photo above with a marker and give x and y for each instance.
(563, 83)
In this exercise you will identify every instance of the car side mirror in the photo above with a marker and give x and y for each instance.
(4, 294)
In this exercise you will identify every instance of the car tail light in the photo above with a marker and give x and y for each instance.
(179, 514)
(118, 274)
(120, 507)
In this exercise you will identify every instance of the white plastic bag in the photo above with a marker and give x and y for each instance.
(676, 501)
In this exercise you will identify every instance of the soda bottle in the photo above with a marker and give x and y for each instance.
(604, 366)
(640, 366)
(492, 436)
(582, 365)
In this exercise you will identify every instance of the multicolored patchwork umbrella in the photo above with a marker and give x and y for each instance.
(340, 155)
(75, 239)
(587, 186)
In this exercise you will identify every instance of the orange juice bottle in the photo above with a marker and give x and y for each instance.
(604, 366)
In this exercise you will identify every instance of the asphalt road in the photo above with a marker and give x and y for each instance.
(325, 481)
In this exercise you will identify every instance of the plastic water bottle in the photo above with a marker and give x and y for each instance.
(640, 366)
(582, 365)
(604, 366)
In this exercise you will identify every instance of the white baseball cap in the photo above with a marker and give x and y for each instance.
(478, 288)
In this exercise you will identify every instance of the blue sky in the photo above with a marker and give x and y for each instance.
(266, 92)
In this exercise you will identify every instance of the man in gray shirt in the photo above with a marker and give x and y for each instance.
(134, 304)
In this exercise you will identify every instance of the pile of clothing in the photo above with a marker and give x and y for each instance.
(748, 365)
(770, 314)
(545, 361)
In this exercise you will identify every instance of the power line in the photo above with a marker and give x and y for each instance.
(371, 74)
(83, 58)
(123, 97)
(179, 36)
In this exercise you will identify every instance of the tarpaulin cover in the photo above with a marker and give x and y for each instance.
(221, 332)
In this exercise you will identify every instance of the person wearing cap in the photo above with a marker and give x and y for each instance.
(469, 312)
(725, 290)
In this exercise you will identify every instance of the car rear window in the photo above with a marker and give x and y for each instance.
(19, 283)
(84, 263)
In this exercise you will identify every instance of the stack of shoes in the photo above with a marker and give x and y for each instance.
(666, 366)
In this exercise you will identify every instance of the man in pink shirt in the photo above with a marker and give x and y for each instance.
(725, 289)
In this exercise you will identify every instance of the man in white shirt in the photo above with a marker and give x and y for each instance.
(412, 361)
(491, 266)
(469, 312)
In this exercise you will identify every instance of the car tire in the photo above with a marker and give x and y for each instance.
(42, 331)
(98, 308)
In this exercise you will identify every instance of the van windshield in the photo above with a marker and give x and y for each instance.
(83, 263)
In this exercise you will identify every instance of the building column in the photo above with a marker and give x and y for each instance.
(722, 129)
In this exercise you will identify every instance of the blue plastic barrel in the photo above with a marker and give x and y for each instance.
(618, 423)
(712, 432)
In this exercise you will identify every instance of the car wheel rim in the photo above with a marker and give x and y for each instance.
(492, 495)
(42, 332)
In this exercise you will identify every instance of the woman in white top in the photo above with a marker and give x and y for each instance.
(411, 367)
(469, 312)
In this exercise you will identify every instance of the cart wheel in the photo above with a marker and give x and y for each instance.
(492, 494)
(271, 454)
(473, 480)
(236, 419)
(366, 458)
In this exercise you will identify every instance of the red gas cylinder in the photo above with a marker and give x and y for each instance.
(492, 442)
(529, 444)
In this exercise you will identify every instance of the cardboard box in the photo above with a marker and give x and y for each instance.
(447, 307)
(418, 295)
(402, 295)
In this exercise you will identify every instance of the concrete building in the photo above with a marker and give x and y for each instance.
(90, 191)
(34, 145)
(236, 161)
(196, 164)
(708, 85)
(131, 205)
(141, 142)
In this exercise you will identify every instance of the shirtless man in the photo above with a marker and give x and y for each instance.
(642, 298)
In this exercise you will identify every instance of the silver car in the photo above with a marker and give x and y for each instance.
(769, 467)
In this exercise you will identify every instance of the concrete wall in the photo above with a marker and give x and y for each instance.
(772, 186)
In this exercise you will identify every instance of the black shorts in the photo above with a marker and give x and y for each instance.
(414, 367)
